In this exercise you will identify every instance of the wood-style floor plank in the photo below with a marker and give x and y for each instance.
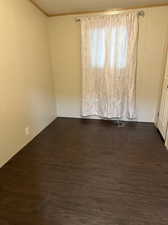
(87, 172)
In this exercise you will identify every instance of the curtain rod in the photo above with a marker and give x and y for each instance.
(140, 13)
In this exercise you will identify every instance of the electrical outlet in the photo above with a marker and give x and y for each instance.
(27, 131)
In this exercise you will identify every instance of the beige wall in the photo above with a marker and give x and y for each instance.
(65, 48)
(26, 86)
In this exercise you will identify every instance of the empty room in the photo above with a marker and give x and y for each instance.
(84, 112)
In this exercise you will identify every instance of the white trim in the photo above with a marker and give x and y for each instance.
(21, 147)
(96, 118)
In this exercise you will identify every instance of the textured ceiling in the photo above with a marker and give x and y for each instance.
(70, 6)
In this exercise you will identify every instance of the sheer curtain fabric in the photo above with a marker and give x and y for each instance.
(109, 56)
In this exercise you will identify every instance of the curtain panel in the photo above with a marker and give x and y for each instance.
(109, 58)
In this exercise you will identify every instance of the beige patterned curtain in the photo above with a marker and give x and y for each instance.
(109, 56)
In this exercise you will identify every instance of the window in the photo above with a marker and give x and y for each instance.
(118, 51)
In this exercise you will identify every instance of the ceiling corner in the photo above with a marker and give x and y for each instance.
(39, 8)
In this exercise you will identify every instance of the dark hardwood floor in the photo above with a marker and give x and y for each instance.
(87, 172)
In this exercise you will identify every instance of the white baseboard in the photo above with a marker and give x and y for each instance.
(25, 144)
(96, 118)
